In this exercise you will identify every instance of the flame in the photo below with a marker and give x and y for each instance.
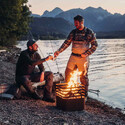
(74, 79)
(72, 86)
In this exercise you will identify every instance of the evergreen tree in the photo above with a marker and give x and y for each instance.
(14, 21)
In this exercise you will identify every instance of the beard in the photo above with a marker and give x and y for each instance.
(33, 51)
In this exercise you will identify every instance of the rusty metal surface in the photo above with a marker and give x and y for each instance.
(64, 91)
(70, 98)
(70, 104)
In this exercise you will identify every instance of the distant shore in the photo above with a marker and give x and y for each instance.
(30, 111)
(58, 38)
(99, 35)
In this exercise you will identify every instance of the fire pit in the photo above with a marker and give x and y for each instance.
(70, 96)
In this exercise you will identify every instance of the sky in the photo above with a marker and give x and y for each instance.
(112, 6)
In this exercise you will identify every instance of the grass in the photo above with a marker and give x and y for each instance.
(3, 48)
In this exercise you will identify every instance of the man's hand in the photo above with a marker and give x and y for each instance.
(49, 58)
(56, 54)
(84, 55)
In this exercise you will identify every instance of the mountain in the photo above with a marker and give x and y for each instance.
(96, 13)
(52, 13)
(91, 15)
(97, 19)
(113, 23)
(35, 15)
(105, 24)
(52, 27)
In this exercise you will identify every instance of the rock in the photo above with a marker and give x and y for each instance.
(2, 51)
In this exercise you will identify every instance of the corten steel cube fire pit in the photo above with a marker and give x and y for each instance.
(70, 98)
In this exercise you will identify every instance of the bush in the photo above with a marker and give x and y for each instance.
(14, 21)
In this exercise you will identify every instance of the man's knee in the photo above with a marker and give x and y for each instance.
(48, 75)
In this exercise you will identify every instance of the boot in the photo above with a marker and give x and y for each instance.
(48, 99)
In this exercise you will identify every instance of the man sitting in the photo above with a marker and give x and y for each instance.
(26, 76)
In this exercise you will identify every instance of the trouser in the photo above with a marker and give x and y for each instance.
(82, 65)
(28, 80)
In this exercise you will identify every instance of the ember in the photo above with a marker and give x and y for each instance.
(71, 96)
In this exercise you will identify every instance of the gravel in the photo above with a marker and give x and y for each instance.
(27, 111)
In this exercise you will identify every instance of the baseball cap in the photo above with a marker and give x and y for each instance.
(31, 42)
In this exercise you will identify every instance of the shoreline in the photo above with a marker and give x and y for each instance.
(30, 111)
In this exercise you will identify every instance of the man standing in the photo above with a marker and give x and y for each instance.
(25, 74)
(81, 39)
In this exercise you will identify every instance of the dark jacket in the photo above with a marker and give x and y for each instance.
(27, 62)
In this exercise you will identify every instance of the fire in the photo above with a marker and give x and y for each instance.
(74, 79)
(73, 89)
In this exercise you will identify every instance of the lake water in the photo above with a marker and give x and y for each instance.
(106, 71)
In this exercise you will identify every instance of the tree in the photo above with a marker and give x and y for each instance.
(14, 21)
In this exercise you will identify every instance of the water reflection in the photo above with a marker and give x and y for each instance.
(107, 67)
